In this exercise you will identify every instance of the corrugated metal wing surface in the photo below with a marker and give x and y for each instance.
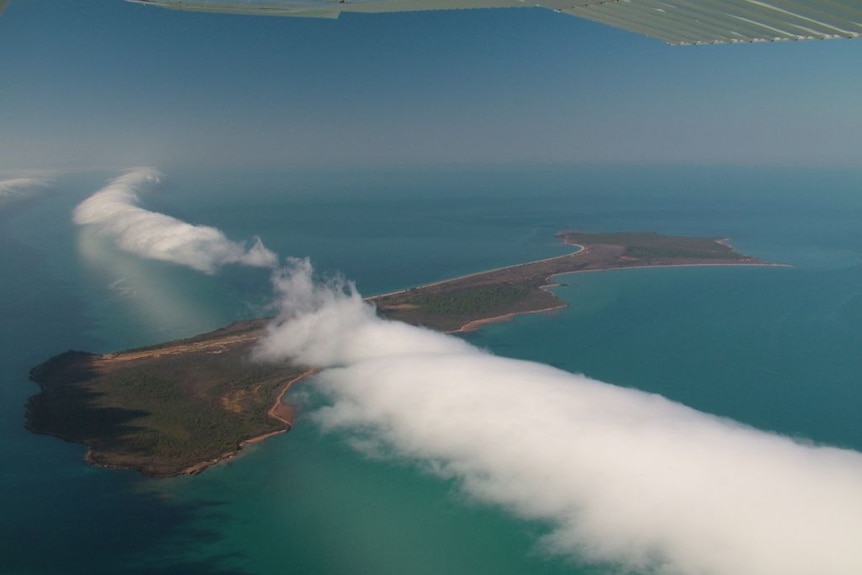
(723, 21)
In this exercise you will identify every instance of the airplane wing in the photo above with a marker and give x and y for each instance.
(673, 21)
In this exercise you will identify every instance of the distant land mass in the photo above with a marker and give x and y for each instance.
(179, 407)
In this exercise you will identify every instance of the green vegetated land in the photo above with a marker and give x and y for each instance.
(649, 246)
(162, 410)
(452, 304)
(181, 406)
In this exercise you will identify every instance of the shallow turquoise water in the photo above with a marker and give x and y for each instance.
(771, 347)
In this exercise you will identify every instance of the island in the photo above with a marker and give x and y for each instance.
(180, 407)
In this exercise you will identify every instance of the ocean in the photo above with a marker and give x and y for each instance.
(773, 348)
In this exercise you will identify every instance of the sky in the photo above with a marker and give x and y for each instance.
(104, 83)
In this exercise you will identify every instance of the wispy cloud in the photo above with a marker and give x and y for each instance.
(116, 212)
(15, 189)
(620, 476)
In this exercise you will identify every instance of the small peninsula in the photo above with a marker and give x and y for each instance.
(179, 407)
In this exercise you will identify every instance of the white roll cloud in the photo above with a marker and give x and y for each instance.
(621, 477)
(116, 212)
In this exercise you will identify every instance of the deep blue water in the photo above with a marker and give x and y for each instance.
(776, 348)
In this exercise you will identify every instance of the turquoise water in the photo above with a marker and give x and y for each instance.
(775, 348)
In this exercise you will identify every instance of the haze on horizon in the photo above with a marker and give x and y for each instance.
(504, 87)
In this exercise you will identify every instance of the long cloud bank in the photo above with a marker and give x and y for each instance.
(621, 477)
(115, 211)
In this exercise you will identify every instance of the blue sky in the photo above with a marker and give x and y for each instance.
(88, 83)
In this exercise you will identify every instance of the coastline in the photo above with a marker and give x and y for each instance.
(284, 413)
(478, 323)
(210, 365)
(279, 411)
(482, 273)
(473, 325)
